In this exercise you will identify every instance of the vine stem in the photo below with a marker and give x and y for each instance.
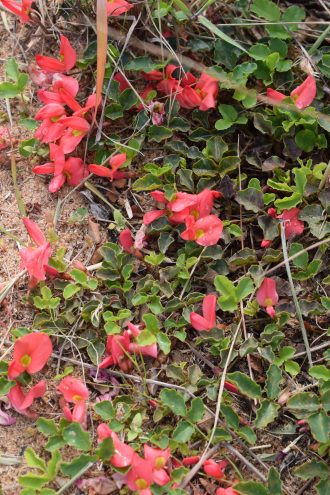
(191, 273)
(294, 295)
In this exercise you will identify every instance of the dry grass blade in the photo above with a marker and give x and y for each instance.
(102, 44)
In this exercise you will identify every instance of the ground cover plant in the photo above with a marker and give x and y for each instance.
(170, 334)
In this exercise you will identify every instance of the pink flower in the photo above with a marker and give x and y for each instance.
(169, 84)
(67, 60)
(206, 231)
(63, 91)
(157, 112)
(146, 350)
(215, 469)
(267, 295)
(31, 353)
(21, 402)
(208, 320)
(159, 459)
(302, 96)
(126, 241)
(3, 138)
(112, 173)
(118, 7)
(123, 455)
(35, 260)
(74, 391)
(292, 225)
(140, 476)
(191, 461)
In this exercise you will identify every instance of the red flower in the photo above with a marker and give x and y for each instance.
(35, 260)
(21, 402)
(292, 225)
(191, 461)
(76, 392)
(117, 348)
(21, 9)
(140, 476)
(203, 95)
(169, 84)
(77, 128)
(123, 453)
(118, 7)
(67, 60)
(122, 80)
(159, 459)
(208, 320)
(265, 243)
(71, 170)
(226, 491)
(112, 173)
(302, 96)
(64, 91)
(146, 350)
(267, 295)
(31, 353)
(215, 469)
(52, 128)
(126, 241)
(206, 231)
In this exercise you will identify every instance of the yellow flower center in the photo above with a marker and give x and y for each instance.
(160, 462)
(26, 360)
(75, 133)
(268, 302)
(199, 233)
(76, 398)
(141, 484)
(195, 214)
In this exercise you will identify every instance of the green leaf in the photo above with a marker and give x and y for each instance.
(33, 481)
(251, 199)
(305, 140)
(245, 385)
(250, 488)
(266, 9)
(70, 290)
(105, 449)
(11, 68)
(174, 401)
(320, 372)
(159, 133)
(289, 202)
(147, 183)
(274, 376)
(146, 338)
(53, 465)
(77, 464)
(105, 410)
(75, 436)
(312, 469)
(8, 90)
(302, 260)
(6, 385)
(274, 482)
(292, 368)
(267, 412)
(224, 286)
(164, 342)
(114, 111)
(303, 404)
(183, 432)
(244, 288)
(320, 426)
(196, 411)
(128, 99)
(33, 460)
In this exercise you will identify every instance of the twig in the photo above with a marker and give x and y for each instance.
(294, 295)
(74, 478)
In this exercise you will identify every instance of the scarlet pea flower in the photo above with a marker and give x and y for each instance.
(208, 320)
(67, 60)
(74, 391)
(190, 461)
(302, 96)
(215, 469)
(21, 402)
(140, 477)
(123, 453)
(71, 170)
(21, 9)
(31, 353)
(126, 241)
(265, 243)
(117, 348)
(146, 350)
(205, 231)
(203, 94)
(226, 491)
(112, 173)
(35, 259)
(122, 80)
(159, 459)
(267, 295)
(292, 225)
(63, 91)
(77, 128)
(118, 7)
